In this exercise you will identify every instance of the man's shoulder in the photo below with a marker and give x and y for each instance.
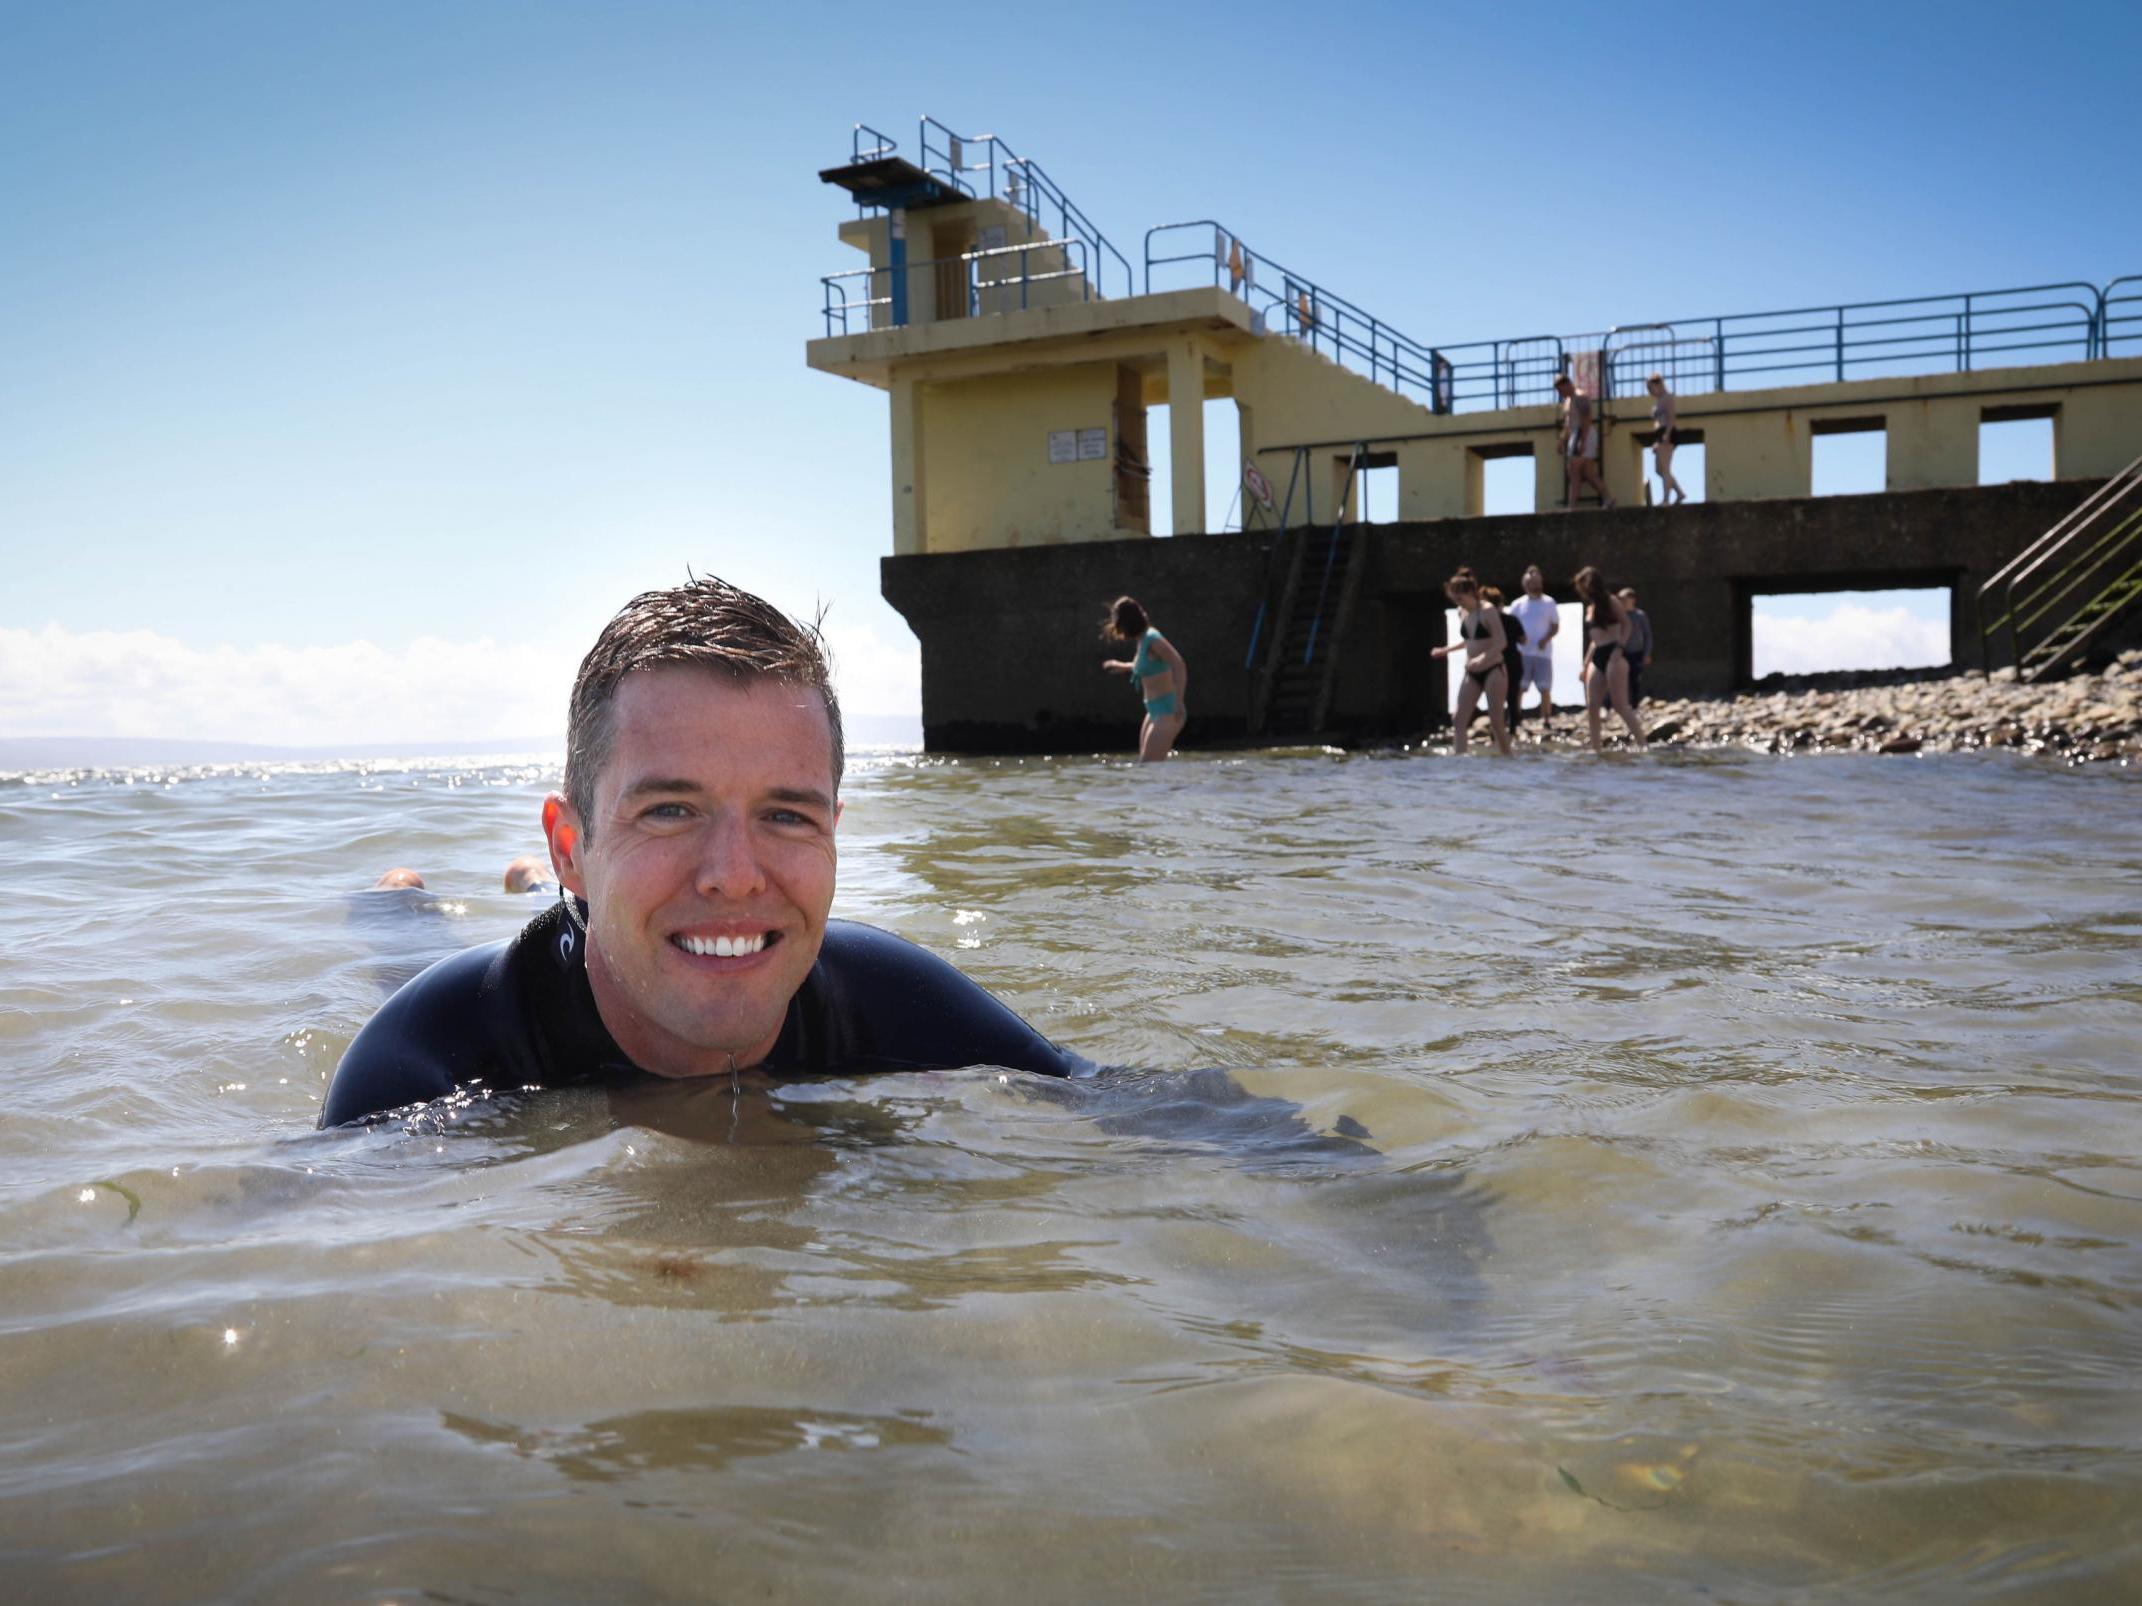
(877, 998)
(434, 1035)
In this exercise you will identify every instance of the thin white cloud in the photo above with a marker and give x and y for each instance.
(139, 683)
(1849, 637)
(59, 682)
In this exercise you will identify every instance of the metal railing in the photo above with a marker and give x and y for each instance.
(984, 165)
(1299, 306)
(2125, 325)
(2071, 584)
(881, 144)
(1884, 339)
(1851, 340)
(983, 291)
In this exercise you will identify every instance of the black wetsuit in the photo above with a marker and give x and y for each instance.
(520, 1013)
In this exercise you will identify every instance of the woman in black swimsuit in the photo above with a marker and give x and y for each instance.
(1606, 671)
(1482, 640)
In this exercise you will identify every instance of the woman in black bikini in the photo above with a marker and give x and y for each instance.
(1482, 640)
(1606, 671)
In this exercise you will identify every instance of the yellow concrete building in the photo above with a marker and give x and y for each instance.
(1020, 368)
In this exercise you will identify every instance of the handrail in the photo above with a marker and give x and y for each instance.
(1308, 311)
(2106, 301)
(1331, 552)
(1271, 557)
(1964, 331)
(839, 304)
(885, 146)
(2087, 521)
(1022, 183)
(2110, 490)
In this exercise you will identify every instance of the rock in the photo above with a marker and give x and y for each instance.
(1902, 744)
(1665, 730)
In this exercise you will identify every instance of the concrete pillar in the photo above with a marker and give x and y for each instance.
(1433, 480)
(1621, 461)
(909, 501)
(1186, 434)
(1748, 455)
(1550, 482)
(2096, 431)
(1932, 442)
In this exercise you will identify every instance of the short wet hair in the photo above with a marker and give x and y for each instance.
(705, 623)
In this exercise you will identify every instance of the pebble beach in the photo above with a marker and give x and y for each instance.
(2088, 718)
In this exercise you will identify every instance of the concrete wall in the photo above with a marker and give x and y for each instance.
(1011, 650)
(1031, 616)
(985, 447)
(937, 233)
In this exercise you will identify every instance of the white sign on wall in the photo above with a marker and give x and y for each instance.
(1092, 445)
(1063, 446)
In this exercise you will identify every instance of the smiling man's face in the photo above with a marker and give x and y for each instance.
(708, 867)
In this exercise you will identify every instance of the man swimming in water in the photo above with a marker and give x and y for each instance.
(694, 841)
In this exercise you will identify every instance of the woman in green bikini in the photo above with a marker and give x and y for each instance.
(1158, 670)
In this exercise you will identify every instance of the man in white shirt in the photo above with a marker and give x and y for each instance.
(1541, 616)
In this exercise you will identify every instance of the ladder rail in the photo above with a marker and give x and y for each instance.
(1331, 554)
(1289, 547)
(2003, 585)
(2066, 588)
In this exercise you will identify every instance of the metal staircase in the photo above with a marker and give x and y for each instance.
(1294, 676)
(2064, 591)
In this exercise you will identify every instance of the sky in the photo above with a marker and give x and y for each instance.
(360, 359)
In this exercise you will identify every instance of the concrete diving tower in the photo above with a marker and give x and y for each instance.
(1021, 354)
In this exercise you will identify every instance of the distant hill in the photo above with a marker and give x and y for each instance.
(120, 752)
(110, 752)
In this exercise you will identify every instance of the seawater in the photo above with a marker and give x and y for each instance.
(1692, 1177)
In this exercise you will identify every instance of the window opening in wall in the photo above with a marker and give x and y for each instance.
(1826, 632)
(1851, 456)
(1159, 452)
(1687, 466)
(2015, 443)
(1507, 481)
(1376, 488)
(1223, 464)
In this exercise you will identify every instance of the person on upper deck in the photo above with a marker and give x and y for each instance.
(1664, 412)
(1580, 443)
